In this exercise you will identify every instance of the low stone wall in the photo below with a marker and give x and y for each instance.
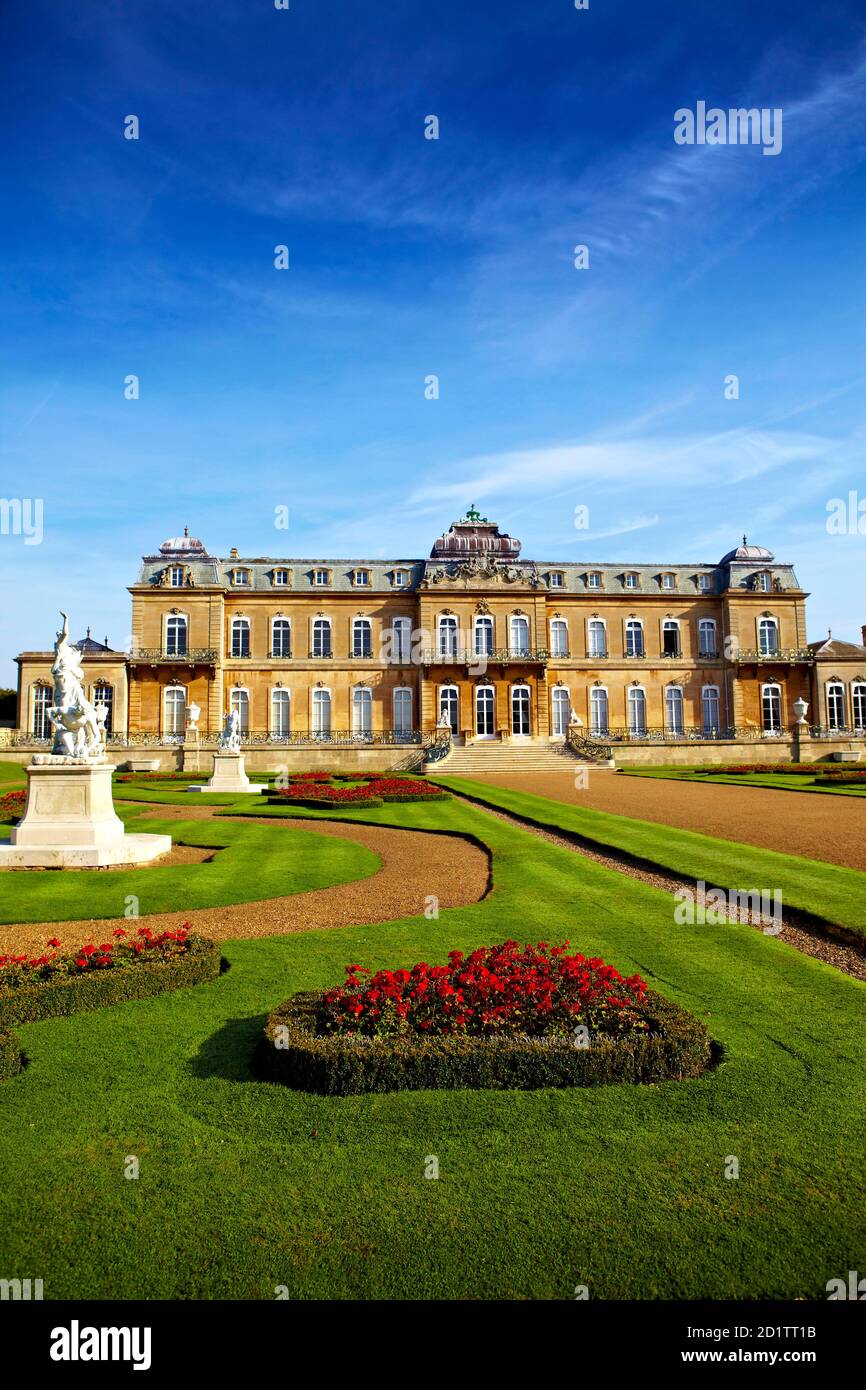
(762, 750)
(270, 758)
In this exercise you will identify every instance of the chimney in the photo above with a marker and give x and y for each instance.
(863, 634)
(233, 553)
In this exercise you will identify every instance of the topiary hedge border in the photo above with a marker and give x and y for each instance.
(11, 1056)
(73, 994)
(678, 1047)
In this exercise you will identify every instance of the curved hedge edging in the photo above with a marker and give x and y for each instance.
(348, 1064)
(11, 1056)
(97, 988)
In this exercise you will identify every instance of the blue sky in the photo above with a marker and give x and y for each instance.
(409, 257)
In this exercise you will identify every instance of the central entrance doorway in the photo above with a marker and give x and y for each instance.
(485, 708)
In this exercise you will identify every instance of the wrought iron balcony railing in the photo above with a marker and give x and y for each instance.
(789, 655)
(191, 655)
(499, 655)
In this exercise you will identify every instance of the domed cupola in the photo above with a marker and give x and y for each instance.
(748, 555)
(185, 545)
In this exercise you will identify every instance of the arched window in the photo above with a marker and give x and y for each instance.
(448, 635)
(636, 711)
(321, 637)
(518, 627)
(362, 637)
(768, 637)
(521, 724)
(598, 718)
(771, 709)
(104, 695)
(634, 637)
(670, 637)
(858, 706)
(707, 637)
(560, 710)
(281, 707)
(710, 710)
(175, 635)
(401, 639)
(362, 712)
(449, 706)
(483, 635)
(402, 704)
(174, 718)
(322, 714)
(597, 638)
(240, 700)
(559, 637)
(240, 636)
(42, 697)
(485, 711)
(281, 637)
(835, 705)
(674, 710)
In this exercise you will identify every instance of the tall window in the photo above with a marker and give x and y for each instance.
(771, 709)
(520, 718)
(636, 711)
(674, 709)
(322, 637)
(559, 637)
(560, 710)
(362, 712)
(362, 637)
(449, 706)
(175, 711)
(710, 710)
(239, 700)
(402, 711)
(598, 721)
(670, 637)
(448, 636)
(240, 636)
(597, 638)
(104, 695)
(281, 637)
(42, 696)
(634, 637)
(858, 705)
(707, 637)
(485, 711)
(280, 713)
(519, 636)
(483, 635)
(175, 636)
(835, 705)
(401, 639)
(768, 637)
(322, 713)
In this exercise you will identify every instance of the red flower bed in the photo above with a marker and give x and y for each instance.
(322, 787)
(12, 804)
(110, 955)
(537, 990)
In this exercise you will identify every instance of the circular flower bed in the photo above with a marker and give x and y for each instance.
(503, 1016)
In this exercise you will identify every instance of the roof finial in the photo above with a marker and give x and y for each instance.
(829, 634)
(88, 632)
(106, 639)
(745, 541)
(186, 531)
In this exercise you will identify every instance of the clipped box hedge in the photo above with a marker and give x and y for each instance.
(678, 1046)
(11, 1056)
(95, 989)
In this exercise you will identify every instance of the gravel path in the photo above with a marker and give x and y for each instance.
(415, 865)
(832, 828)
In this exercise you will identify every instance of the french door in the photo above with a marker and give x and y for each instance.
(449, 706)
(485, 702)
(520, 723)
(561, 709)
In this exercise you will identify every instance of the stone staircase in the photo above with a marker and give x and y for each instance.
(474, 759)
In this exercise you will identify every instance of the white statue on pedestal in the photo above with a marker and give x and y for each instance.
(230, 738)
(72, 716)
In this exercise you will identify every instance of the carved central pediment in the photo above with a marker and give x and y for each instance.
(479, 571)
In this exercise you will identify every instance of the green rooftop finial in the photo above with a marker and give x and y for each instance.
(473, 514)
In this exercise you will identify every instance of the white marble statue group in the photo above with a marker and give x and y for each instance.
(230, 738)
(74, 720)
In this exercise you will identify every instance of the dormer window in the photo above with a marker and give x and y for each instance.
(281, 578)
(632, 581)
(669, 581)
(593, 579)
(321, 578)
(361, 579)
(705, 583)
(401, 579)
(557, 579)
(175, 576)
(762, 582)
(240, 578)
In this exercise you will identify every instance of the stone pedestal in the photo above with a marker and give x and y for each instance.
(229, 775)
(69, 821)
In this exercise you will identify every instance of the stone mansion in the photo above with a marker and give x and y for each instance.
(496, 646)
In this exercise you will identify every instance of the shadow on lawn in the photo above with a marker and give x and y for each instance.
(228, 1053)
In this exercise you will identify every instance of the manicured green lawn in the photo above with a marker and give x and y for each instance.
(245, 1186)
(12, 775)
(787, 781)
(828, 891)
(252, 863)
